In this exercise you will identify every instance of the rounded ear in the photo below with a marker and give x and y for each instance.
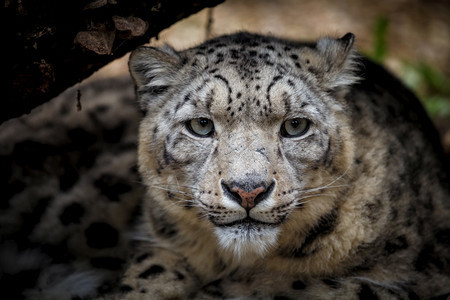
(153, 68)
(336, 51)
(154, 71)
(339, 61)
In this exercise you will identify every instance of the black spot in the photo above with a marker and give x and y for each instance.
(157, 90)
(112, 186)
(414, 296)
(327, 157)
(366, 293)
(280, 298)
(101, 235)
(443, 237)
(324, 226)
(68, 179)
(441, 297)
(154, 270)
(101, 109)
(333, 283)
(294, 56)
(81, 137)
(235, 54)
(396, 244)
(11, 189)
(162, 224)
(32, 218)
(168, 157)
(124, 288)
(298, 285)
(114, 135)
(88, 157)
(15, 284)
(427, 258)
(179, 275)
(142, 257)
(188, 97)
(313, 70)
(108, 263)
(177, 107)
(32, 154)
(72, 214)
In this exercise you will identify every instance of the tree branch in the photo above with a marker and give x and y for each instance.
(53, 44)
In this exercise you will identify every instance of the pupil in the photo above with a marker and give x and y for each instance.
(294, 123)
(204, 122)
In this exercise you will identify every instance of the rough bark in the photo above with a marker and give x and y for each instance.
(52, 44)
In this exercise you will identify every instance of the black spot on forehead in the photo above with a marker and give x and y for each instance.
(220, 77)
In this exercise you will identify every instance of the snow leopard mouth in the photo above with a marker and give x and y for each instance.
(247, 223)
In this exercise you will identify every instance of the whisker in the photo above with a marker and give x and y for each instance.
(178, 185)
(323, 187)
(172, 190)
(329, 184)
(300, 201)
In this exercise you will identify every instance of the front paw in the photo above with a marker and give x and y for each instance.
(158, 274)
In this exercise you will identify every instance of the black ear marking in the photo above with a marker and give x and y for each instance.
(348, 39)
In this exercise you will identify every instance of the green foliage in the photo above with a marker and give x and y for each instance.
(431, 85)
(380, 43)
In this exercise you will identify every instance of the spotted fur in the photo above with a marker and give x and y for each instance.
(69, 192)
(349, 208)
(272, 169)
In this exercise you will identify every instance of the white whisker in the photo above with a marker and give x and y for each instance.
(328, 185)
(172, 190)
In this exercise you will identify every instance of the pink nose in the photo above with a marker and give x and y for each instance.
(248, 198)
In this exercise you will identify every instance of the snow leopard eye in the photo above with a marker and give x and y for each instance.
(295, 127)
(202, 127)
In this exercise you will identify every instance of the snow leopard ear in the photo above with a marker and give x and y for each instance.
(154, 70)
(338, 62)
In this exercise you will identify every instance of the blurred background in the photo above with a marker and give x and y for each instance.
(410, 37)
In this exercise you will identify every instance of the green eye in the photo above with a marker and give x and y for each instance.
(295, 127)
(201, 127)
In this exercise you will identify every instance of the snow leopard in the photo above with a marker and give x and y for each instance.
(247, 167)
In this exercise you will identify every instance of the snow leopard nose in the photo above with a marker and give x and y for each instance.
(247, 195)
